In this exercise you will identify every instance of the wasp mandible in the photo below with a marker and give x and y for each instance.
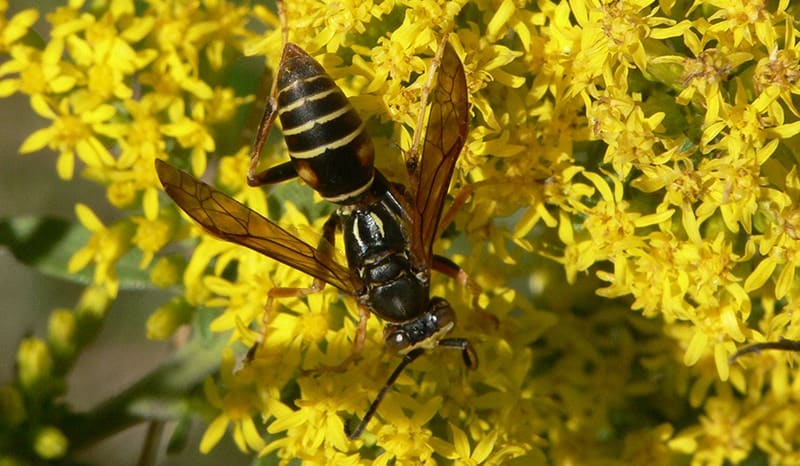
(388, 230)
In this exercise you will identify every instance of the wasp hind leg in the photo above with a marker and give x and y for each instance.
(447, 267)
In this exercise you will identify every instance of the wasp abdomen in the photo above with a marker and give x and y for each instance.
(329, 147)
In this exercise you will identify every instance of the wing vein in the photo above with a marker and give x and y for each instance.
(230, 220)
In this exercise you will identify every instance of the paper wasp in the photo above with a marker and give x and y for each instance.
(388, 230)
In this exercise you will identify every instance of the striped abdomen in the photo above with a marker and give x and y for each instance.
(329, 147)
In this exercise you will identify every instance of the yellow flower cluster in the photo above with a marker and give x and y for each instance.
(633, 215)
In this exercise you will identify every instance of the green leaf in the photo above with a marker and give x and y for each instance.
(47, 243)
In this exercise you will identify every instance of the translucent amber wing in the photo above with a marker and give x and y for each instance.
(228, 219)
(444, 139)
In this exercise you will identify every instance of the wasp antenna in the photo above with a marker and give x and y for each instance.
(468, 353)
(782, 345)
(410, 357)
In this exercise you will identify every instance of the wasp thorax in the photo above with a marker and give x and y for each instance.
(327, 141)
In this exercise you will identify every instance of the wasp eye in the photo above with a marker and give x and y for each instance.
(396, 340)
(442, 311)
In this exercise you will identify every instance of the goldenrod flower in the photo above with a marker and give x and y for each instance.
(237, 405)
(106, 247)
(167, 271)
(73, 132)
(15, 28)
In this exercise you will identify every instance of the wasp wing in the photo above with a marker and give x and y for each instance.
(444, 139)
(228, 219)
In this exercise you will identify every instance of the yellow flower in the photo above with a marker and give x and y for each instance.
(405, 438)
(12, 407)
(317, 426)
(744, 20)
(142, 138)
(781, 69)
(105, 248)
(723, 434)
(167, 271)
(236, 404)
(75, 128)
(14, 29)
(166, 319)
(150, 237)
(465, 455)
(191, 133)
(62, 333)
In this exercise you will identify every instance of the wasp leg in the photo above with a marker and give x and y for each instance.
(468, 353)
(358, 340)
(279, 172)
(444, 265)
(283, 171)
(358, 346)
(275, 293)
(325, 247)
(262, 133)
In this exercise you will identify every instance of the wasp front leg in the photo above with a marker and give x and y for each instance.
(447, 267)
(358, 346)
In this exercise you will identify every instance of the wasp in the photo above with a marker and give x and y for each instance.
(388, 230)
